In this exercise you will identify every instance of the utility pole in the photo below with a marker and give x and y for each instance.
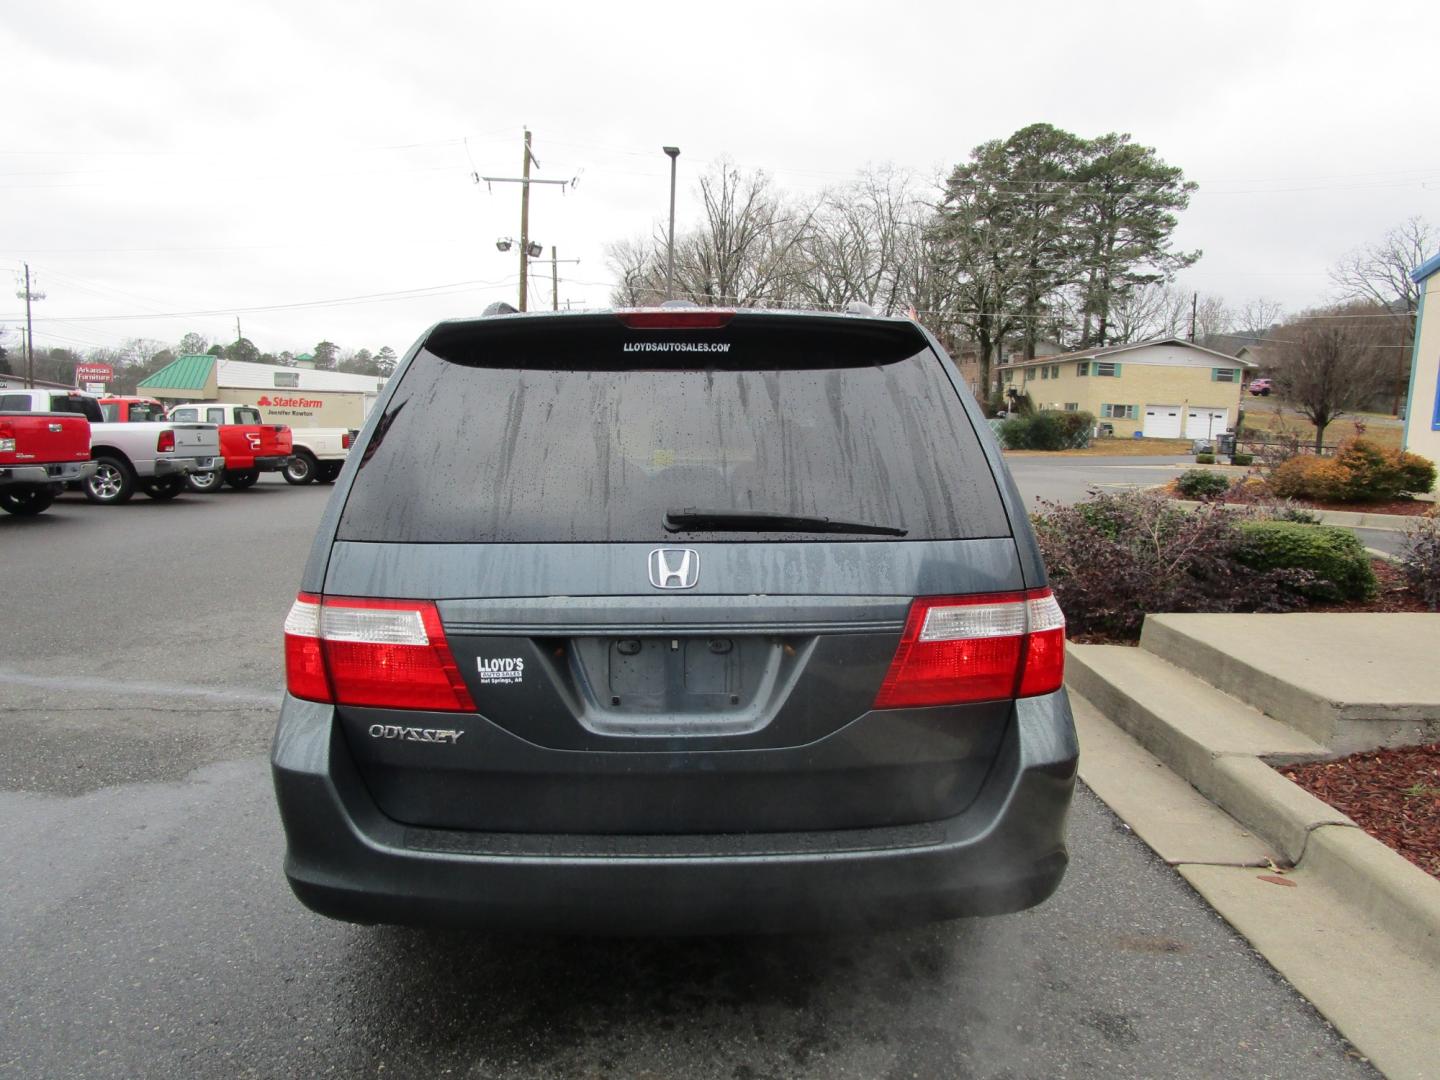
(238, 335)
(525, 222)
(1194, 306)
(28, 295)
(554, 262)
(524, 180)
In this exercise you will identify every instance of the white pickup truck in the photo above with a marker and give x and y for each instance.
(152, 457)
(319, 454)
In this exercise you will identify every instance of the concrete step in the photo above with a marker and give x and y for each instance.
(1351, 681)
(1212, 740)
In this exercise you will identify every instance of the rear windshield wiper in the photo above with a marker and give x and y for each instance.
(767, 521)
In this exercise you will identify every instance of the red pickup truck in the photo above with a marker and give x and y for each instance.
(248, 446)
(39, 453)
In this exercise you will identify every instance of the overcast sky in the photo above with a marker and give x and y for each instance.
(174, 157)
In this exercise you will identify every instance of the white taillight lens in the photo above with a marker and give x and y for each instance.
(7, 446)
(973, 621)
(371, 626)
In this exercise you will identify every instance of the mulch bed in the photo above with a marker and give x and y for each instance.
(1401, 507)
(1394, 795)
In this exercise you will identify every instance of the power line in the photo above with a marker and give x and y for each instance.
(403, 294)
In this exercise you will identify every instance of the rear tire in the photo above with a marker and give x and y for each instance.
(328, 471)
(165, 489)
(301, 468)
(26, 500)
(111, 483)
(241, 479)
(205, 482)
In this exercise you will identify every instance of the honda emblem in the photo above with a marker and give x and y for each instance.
(674, 568)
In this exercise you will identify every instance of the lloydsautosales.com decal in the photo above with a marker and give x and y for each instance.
(677, 346)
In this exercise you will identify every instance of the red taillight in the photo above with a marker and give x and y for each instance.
(387, 654)
(166, 442)
(675, 318)
(345, 441)
(959, 649)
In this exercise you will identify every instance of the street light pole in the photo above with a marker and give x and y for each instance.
(672, 152)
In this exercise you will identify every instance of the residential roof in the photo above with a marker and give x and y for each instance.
(242, 375)
(1111, 350)
(1425, 269)
(186, 373)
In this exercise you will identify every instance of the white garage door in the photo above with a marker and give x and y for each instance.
(1162, 421)
(1202, 422)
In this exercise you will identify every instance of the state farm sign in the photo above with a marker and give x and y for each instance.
(93, 373)
(279, 401)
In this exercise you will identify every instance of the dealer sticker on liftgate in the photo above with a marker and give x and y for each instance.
(501, 671)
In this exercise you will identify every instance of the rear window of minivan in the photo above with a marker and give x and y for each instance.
(576, 438)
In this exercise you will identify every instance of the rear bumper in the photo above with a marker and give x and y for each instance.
(271, 464)
(347, 860)
(62, 473)
(183, 465)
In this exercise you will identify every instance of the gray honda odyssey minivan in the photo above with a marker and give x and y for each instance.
(674, 620)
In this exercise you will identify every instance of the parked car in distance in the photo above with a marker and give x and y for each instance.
(39, 454)
(249, 446)
(1260, 387)
(675, 621)
(149, 456)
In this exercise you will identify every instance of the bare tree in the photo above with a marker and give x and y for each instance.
(858, 239)
(639, 274)
(1380, 272)
(1325, 361)
(1257, 315)
(745, 251)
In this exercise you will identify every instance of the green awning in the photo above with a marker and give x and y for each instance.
(186, 373)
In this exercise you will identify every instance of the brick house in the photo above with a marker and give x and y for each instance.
(1167, 388)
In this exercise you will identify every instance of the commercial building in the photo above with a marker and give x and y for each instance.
(1422, 409)
(297, 396)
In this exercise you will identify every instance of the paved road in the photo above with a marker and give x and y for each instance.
(146, 928)
(1070, 479)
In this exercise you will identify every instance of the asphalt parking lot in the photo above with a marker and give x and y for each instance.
(146, 927)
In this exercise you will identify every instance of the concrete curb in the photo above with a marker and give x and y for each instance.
(1384, 887)
(1349, 519)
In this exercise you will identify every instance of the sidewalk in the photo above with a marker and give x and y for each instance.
(1350, 519)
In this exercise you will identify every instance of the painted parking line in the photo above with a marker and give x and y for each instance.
(83, 684)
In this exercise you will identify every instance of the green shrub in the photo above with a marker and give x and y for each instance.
(1119, 555)
(1047, 430)
(1241, 459)
(1201, 484)
(1204, 459)
(1335, 557)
